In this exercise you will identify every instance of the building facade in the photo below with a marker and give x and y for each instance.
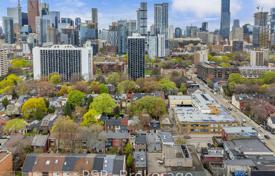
(4, 63)
(33, 12)
(258, 58)
(8, 29)
(225, 19)
(161, 19)
(70, 62)
(142, 19)
(136, 57)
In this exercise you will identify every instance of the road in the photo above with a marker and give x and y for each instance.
(236, 113)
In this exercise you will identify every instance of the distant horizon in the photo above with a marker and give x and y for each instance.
(182, 13)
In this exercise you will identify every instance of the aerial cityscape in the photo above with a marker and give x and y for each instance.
(137, 88)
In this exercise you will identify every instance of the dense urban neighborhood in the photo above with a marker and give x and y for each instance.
(134, 99)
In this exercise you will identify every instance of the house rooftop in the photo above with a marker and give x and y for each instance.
(40, 140)
(113, 164)
(140, 159)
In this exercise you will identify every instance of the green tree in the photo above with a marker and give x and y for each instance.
(183, 88)
(167, 86)
(18, 63)
(75, 97)
(55, 78)
(113, 78)
(127, 86)
(8, 84)
(128, 149)
(68, 109)
(103, 103)
(129, 161)
(14, 125)
(103, 88)
(154, 106)
(268, 77)
(34, 108)
(5, 102)
(65, 130)
(90, 118)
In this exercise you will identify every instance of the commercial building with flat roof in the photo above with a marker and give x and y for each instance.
(202, 116)
(210, 70)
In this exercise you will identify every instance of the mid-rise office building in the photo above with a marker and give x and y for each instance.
(33, 12)
(4, 63)
(225, 19)
(142, 19)
(204, 27)
(136, 57)
(8, 29)
(258, 57)
(77, 22)
(178, 32)
(191, 31)
(70, 62)
(200, 56)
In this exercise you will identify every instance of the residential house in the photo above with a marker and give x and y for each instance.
(40, 143)
(47, 123)
(140, 162)
(74, 164)
(140, 142)
(6, 163)
(116, 139)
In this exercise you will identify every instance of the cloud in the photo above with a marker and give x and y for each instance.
(203, 8)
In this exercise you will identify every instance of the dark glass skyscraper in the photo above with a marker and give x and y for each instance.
(136, 57)
(225, 19)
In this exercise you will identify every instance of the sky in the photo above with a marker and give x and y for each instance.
(181, 12)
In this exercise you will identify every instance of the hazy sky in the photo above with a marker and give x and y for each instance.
(181, 12)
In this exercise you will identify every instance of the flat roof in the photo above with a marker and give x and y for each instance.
(239, 129)
(191, 114)
(179, 97)
(248, 146)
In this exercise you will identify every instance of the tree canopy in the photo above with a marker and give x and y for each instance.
(167, 86)
(113, 78)
(14, 125)
(9, 83)
(154, 106)
(20, 63)
(103, 103)
(75, 97)
(127, 86)
(90, 118)
(34, 108)
(55, 78)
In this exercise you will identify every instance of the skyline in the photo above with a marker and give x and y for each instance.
(181, 12)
